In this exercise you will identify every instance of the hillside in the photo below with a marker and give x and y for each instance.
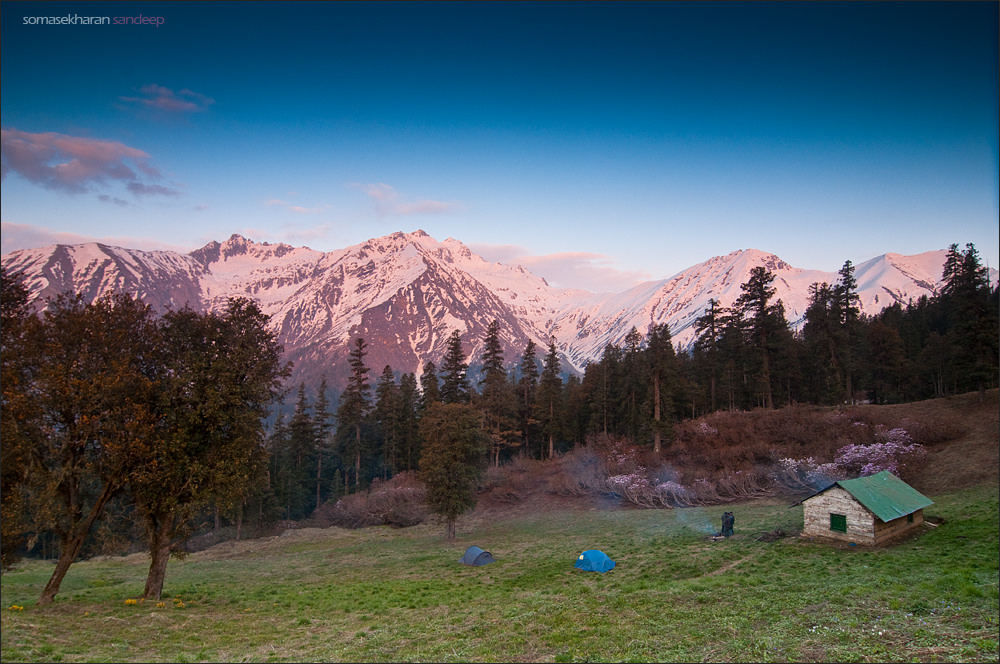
(961, 435)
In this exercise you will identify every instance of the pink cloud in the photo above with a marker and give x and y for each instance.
(159, 98)
(24, 236)
(293, 236)
(71, 163)
(387, 202)
(589, 271)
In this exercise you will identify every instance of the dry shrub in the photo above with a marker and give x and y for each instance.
(398, 502)
(581, 473)
(514, 481)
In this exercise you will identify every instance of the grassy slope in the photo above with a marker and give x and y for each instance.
(399, 595)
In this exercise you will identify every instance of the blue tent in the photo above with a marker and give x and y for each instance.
(476, 557)
(594, 561)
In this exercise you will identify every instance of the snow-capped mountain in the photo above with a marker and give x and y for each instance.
(406, 292)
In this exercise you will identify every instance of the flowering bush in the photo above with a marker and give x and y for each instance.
(893, 450)
(706, 429)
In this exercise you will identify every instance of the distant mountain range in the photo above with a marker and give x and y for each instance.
(406, 292)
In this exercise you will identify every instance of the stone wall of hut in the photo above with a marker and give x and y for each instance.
(863, 527)
(816, 517)
(886, 530)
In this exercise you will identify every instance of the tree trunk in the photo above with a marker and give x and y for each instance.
(449, 532)
(357, 460)
(319, 474)
(712, 388)
(72, 545)
(656, 413)
(69, 550)
(159, 528)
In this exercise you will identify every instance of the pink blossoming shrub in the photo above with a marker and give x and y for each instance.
(893, 450)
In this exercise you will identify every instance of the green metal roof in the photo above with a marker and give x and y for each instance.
(887, 496)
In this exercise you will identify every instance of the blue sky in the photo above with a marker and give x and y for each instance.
(597, 144)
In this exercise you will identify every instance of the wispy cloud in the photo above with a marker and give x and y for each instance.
(589, 271)
(25, 236)
(290, 235)
(164, 100)
(387, 202)
(297, 209)
(73, 164)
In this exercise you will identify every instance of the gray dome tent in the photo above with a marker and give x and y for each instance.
(476, 557)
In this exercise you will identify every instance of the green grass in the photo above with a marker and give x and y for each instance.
(400, 595)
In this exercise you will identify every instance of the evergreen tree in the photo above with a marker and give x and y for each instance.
(550, 397)
(496, 399)
(408, 436)
(633, 384)
(971, 318)
(300, 439)
(386, 416)
(454, 381)
(849, 312)
(763, 320)
(323, 425)
(661, 363)
(887, 363)
(820, 335)
(453, 459)
(355, 402)
(430, 388)
(527, 386)
(708, 329)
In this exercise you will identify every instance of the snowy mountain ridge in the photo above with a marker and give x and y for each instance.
(406, 292)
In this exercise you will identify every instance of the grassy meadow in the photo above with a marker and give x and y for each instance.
(382, 594)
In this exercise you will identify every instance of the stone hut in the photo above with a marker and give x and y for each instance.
(868, 510)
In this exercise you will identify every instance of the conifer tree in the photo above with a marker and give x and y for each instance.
(407, 420)
(453, 459)
(355, 402)
(454, 381)
(323, 424)
(661, 362)
(496, 399)
(527, 386)
(550, 396)
(430, 388)
(707, 344)
(386, 415)
(633, 383)
(763, 318)
(971, 318)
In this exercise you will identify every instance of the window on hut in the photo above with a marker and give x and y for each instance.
(838, 523)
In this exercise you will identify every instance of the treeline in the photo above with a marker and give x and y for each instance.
(745, 357)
